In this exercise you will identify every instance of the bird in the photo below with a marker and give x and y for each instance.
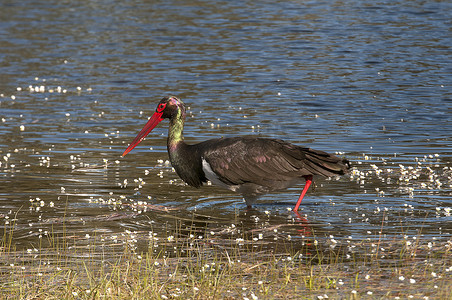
(249, 165)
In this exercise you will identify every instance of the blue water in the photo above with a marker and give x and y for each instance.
(369, 79)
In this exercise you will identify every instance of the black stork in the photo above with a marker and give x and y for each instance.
(251, 166)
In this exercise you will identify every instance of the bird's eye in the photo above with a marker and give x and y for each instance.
(161, 107)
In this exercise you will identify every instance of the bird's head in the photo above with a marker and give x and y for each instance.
(168, 107)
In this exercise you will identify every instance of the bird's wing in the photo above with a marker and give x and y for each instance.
(260, 161)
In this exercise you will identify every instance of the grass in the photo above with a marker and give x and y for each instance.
(197, 263)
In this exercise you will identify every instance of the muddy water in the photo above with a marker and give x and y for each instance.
(368, 80)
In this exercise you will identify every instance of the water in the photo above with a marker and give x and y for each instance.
(370, 80)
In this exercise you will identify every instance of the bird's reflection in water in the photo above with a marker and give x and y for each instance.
(305, 229)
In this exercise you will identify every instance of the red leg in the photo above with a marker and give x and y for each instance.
(305, 189)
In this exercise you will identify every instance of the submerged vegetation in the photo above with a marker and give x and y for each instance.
(193, 262)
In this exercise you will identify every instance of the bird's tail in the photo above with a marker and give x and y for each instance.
(319, 162)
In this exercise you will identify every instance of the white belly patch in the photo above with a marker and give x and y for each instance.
(212, 177)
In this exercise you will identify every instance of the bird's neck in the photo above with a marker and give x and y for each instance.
(177, 149)
(175, 131)
(184, 158)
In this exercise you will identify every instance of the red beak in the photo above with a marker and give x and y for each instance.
(153, 121)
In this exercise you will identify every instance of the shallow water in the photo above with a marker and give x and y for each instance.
(368, 80)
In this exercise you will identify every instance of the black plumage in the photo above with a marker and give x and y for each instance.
(249, 165)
